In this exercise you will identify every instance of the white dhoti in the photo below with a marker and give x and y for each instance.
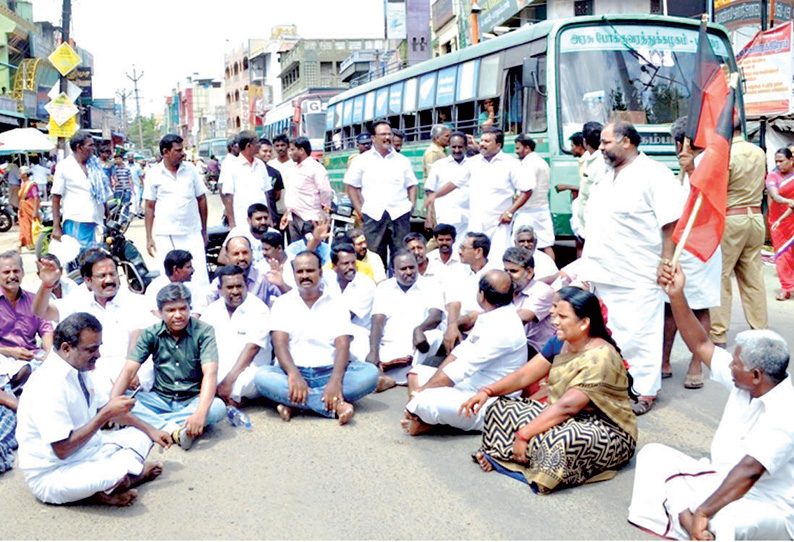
(667, 482)
(540, 220)
(122, 452)
(193, 243)
(244, 386)
(636, 319)
(359, 345)
(439, 406)
(393, 350)
(703, 280)
(9, 367)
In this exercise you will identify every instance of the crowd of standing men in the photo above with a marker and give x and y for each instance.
(484, 330)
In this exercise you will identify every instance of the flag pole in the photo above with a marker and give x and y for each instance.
(687, 229)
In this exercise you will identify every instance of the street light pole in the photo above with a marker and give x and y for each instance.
(135, 78)
(66, 21)
(124, 94)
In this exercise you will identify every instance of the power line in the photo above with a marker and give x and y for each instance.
(135, 78)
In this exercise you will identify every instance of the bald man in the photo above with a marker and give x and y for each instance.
(495, 347)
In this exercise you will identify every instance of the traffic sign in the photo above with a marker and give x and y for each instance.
(64, 59)
(61, 109)
(72, 90)
(66, 130)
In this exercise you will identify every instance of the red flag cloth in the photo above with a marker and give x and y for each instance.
(711, 116)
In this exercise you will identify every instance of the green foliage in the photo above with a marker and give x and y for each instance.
(150, 130)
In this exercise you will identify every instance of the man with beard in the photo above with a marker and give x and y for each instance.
(274, 202)
(246, 181)
(445, 253)
(545, 268)
(176, 207)
(495, 347)
(18, 325)
(63, 453)
(435, 272)
(257, 282)
(453, 209)
(183, 349)
(370, 263)
(276, 258)
(242, 331)
(309, 194)
(284, 165)
(356, 291)
(311, 340)
(122, 314)
(406, 322)
(630, 219)
(259, 222)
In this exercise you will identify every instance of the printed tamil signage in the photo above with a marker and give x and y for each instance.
(767, 66)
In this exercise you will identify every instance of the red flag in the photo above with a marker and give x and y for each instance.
(709, 126)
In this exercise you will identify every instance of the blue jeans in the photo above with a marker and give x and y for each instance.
(360, 379)
(159, 412)
(84, 232)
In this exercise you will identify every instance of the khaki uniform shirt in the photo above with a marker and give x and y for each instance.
(746, 174)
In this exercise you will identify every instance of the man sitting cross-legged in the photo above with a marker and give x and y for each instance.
(311, 339)
(495, 347)
(242, 330)
(63, 453)
(406, 318)
(745, 490)
(183, 349)
(178, 265)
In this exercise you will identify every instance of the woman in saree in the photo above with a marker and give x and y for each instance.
(780, 186)
(29, 202)
(586, 431)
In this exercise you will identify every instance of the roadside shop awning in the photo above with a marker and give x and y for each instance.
(20, 140)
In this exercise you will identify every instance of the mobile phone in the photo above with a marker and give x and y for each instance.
(135, 392)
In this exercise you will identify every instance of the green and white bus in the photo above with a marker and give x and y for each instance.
(547, 80)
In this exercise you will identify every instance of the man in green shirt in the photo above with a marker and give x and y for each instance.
(185, 356)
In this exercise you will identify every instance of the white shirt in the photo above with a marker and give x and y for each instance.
(384, 182)
(492, 185)
(176, 209)
(120, 316)
(453, 208)
(357, 296)
(53, 406)
(625, 215)
(39, 174)
(248, 324)
(247, 182)
(544, 265)
(453, 263)
(538, 170)
(495, 347)
(404, 311)
(464, 287)
(312, 331)
(762, 428)
(244, 230)
(71, 183)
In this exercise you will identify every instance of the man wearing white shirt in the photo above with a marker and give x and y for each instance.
(630, 218)
(493, 182)
(535, 212)
(276, 258)
(309, 192)
(176, 207)
(406, 321)
(382, 188)
(545, 268)
(40, 175)
(356, 291)
(434, 271)
(495, 348)
(311, 340)
(245, 180)
(446, 254)
(593, 166)
(242, 331)
(745, 490)
(454, 208)
(259, 222)
(178, 268)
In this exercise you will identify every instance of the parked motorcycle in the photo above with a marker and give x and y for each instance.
(7, 214)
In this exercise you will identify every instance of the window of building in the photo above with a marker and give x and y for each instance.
(326, 69)
(656, 7)
(582, 7)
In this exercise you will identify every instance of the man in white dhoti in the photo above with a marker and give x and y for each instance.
(746, 489)
(454, 208)
(535, 212)
(242, 331)
(63, 453)
(406, 321)
(630, 219)
(495, 347)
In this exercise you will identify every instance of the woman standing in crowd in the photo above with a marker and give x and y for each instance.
(780, 186)
(29, 202)
(586, 431)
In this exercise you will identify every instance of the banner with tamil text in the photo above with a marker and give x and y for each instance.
(767, 66)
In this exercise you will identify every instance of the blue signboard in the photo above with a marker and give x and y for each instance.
(445, 93)
(358, 109)
(395, 98)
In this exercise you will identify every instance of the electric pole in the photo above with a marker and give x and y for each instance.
(135, 78)
(66, 21)
(124, 94)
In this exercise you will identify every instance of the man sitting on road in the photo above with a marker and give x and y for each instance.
(276, 258)
(532, 299)
(185, 356)
(63, 453)
(356, 291)
(406, 321)
(314, 237)
(371, 262)
(178, 266)
(256, 282)
(242, 331)
(19, 326)
(65, 286)
(434, 271)
(259, 222)
(122, 314)
(445, 254)
(311, 340)
(545, 268)
(745, 490)
(495, 347)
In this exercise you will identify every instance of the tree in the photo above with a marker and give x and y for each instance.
(151, 133)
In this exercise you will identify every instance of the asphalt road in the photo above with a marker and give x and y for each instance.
(311, 479)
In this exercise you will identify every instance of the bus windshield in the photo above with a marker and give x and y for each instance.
(314, 125)
(636, 73)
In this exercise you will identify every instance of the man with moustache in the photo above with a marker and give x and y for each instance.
(406, 321)
(246, 181)
(630, 216)
(242, 331)
(311, 340)
(453, 209)
(309, 194)
(257, 282)
(445, 253)
(63, 453)
(274, 201)
(259, 222)
(178, 268)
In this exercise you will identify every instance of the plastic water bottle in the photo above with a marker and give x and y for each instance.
(237, 417)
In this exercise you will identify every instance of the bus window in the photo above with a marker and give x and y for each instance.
(409, 127)
(467, 80)
(488, 113)
(369, 106)
(425, 123)
(466, 118)
(514, 101)
(536, 102)
(489, 76)
(443, 115)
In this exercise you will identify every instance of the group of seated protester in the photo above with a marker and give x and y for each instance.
(525, 357)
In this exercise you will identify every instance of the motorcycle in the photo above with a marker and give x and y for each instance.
(216, 235)
(7, 214)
